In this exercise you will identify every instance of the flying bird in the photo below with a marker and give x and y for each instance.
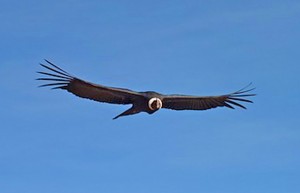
(148, 101)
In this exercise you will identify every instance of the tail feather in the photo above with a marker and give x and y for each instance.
(130, 111)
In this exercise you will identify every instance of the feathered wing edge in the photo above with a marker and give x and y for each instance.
(61, 77)
(63, 80)
(185, 102)
(238, 96)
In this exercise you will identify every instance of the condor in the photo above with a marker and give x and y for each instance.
(148, 101)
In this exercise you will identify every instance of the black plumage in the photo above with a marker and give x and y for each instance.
(148, 101)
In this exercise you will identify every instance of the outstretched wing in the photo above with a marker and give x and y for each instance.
(184, 102)
(60, 79)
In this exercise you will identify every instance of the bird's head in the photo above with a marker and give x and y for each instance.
(155, 104)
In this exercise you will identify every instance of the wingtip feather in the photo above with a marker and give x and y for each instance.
(235, 103)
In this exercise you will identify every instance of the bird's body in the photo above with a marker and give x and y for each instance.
(148, 101)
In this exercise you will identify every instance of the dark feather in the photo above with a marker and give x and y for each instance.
(56, 71)
(185, 102)
(53, 84)
(240, 99)
(57, 67)
(235, 103)
(54, 75)
(81, 88)
(53, 79)
(57, 78)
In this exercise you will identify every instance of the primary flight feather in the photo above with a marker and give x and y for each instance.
(148, 101)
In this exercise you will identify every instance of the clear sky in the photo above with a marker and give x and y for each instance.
(51, 141)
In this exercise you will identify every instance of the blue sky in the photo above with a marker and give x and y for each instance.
(51, 141)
